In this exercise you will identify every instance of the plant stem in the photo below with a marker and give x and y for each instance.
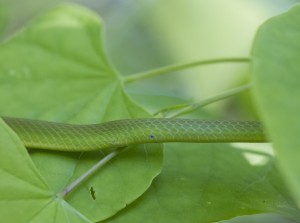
(178, 67)
(88, 173)
(179, 110)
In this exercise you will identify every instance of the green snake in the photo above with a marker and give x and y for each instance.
(126, 132)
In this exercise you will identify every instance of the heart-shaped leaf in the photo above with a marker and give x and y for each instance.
(56, 69)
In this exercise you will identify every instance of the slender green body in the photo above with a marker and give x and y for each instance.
(120, 133)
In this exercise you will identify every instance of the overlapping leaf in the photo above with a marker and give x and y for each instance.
(56, 69)
(209, 183)
(276, 70)
(24, 194)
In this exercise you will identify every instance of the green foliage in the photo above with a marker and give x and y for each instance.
(208, 183)
(56, 69)
(24, 194)
(276, 71)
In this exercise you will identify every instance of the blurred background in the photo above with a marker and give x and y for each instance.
(143, 35)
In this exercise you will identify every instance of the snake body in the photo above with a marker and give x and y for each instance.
(120, 133)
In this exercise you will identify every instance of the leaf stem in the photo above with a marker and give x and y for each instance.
(178, 67)
(88, 173)
(182, 109)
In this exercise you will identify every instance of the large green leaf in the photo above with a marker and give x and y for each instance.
(276, 69)
(212, 182)
(24, 194)
(56, 69)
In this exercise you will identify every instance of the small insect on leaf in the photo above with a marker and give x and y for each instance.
(93, 193)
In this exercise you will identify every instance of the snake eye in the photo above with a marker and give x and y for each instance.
(151, 136)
